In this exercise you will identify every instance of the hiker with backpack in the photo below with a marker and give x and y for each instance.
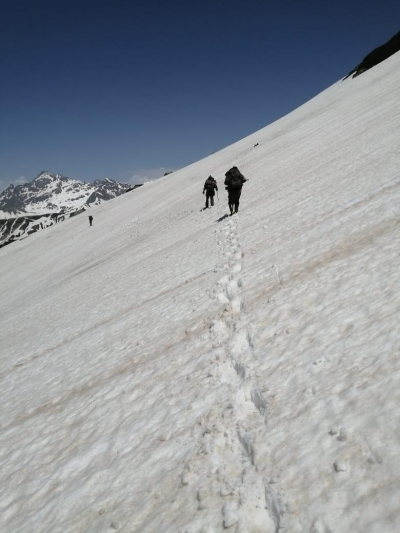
(234, 180)
(210, 186)
(90, 219)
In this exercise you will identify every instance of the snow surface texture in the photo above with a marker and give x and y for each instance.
(165, 372)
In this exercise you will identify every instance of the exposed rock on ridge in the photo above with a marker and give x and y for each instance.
(377, 55)
(14, 229)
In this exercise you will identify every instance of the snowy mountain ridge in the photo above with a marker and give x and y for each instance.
(181, 371)
(49, 199)
(54, 193)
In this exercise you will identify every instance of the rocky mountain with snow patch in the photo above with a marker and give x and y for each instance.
(49, 199)
(15, 229)
(53, 193)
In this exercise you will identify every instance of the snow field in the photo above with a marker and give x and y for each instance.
(177, 371)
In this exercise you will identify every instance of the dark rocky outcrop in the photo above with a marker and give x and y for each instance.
(377, 56)
(134, 187)
(78, 212)
(14, 229)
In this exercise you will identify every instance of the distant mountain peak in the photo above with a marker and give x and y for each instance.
(53, 193)
(48, 199)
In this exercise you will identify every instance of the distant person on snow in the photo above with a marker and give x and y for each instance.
(90, 219)
(210, 186)
(234, 180)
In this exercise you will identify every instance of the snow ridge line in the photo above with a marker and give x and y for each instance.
(233, 491)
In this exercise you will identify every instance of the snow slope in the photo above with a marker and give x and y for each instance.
(166, 372)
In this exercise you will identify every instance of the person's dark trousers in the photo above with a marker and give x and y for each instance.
(209, 195)
(233, 199)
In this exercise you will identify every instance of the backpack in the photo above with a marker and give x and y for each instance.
(235, 182)
(210, 184)
(234, 178)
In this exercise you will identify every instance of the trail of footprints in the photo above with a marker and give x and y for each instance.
(232, 490)
(235, 489)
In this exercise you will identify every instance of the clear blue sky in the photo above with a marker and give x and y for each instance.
(94, 88)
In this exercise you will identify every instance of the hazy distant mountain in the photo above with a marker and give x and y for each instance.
(53, 193)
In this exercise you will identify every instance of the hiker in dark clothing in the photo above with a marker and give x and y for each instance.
(234, 180)
(90, 219)
(210, 186)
